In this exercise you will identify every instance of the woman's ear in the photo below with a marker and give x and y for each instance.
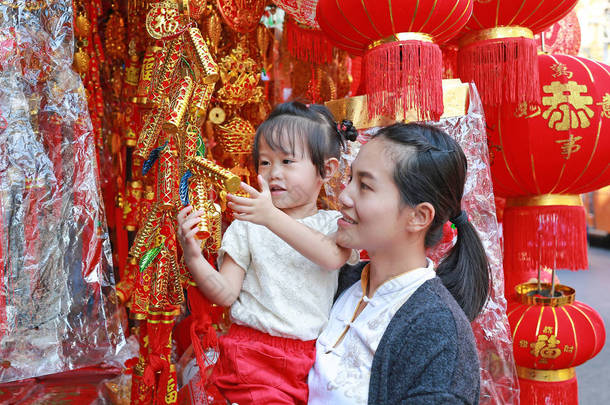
(330, 167)
(420, 217)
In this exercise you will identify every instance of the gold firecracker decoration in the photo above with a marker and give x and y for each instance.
(236, 136)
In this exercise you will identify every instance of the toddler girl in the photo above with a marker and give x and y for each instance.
(277, 260)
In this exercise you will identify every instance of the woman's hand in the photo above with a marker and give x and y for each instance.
(259, 208)
(188, 219)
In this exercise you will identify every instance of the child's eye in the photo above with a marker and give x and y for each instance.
(287, 161)
(263, 163)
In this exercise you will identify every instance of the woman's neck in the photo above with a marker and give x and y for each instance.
(389, 263)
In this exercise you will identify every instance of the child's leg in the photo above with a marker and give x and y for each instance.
(256, 368)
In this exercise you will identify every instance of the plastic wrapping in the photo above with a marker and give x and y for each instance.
(55, 259)
(498, 374)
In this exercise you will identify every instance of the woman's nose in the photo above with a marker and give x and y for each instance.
(345, 198)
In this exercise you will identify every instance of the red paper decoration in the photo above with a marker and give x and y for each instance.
(403, 67)
(561, 37)
(498, 52)
(542, 156)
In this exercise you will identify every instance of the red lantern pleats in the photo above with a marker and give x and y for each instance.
(399, 41)
(497, 49)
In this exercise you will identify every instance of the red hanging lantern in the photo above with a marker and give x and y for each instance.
(497, 49)
(542, 156)
(551, 336)
(399, 40)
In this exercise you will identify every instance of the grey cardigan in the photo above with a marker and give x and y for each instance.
(427, 354)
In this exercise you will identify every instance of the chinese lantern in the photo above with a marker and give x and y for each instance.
(551, 336)
(497, 49)
(402, 61)
(542, 156)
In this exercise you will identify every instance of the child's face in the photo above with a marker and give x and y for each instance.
(373, 217)
(293, 179)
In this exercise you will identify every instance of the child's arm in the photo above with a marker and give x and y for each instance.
(317, 247)
(220, 287)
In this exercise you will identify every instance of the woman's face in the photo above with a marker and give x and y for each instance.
(373, 217)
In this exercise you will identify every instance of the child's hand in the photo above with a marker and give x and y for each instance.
(258, 209)
(188, 219)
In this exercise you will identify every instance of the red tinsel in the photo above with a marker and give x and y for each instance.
(505, 70)
(308, 44)
(543, 392)
(404, 75)
(543, 236)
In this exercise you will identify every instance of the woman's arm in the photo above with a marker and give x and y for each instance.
(220, 287)
(317, 247)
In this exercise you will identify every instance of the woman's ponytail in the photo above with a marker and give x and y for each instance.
(465, 271)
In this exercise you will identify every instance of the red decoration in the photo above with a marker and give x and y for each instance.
(497, 50)
(403, 67)
(302, 11)
(307, 44)
(243, 15)
(561, 37)
(551, 336)
(542, 156)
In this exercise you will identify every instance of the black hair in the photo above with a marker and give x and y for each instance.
(324, 138)
(430, 167)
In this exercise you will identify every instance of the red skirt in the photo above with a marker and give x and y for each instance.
(257, 368)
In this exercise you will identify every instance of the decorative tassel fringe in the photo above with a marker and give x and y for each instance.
(203, 334)
(505, 71)
(307, 44)
(402, 76)
(543, 236)
(542, 392)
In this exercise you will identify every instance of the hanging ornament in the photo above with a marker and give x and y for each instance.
(241, 15)
(403, 66)
(544, 156)
(498, 51)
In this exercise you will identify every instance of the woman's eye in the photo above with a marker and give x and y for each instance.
(364, 187)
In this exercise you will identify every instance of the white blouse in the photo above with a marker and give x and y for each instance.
(284, 293)
(342, 369)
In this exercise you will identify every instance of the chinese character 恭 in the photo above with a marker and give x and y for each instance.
(569, 146)
(568, 107)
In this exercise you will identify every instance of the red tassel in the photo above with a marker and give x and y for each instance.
(542, 393)
(309, 45)
(505, 71)
(203, 334)
(543, 236)
(404, 75)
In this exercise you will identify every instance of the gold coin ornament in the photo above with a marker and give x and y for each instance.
(217, 115)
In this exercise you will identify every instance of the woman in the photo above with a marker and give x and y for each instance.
(402, 334)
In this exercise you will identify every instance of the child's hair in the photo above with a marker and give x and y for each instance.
(324, 138)
(431, 167)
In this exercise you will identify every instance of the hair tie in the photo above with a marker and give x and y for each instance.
(307, 105)
(346, 130)
(460, 219)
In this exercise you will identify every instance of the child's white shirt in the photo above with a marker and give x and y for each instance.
(283, 294)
